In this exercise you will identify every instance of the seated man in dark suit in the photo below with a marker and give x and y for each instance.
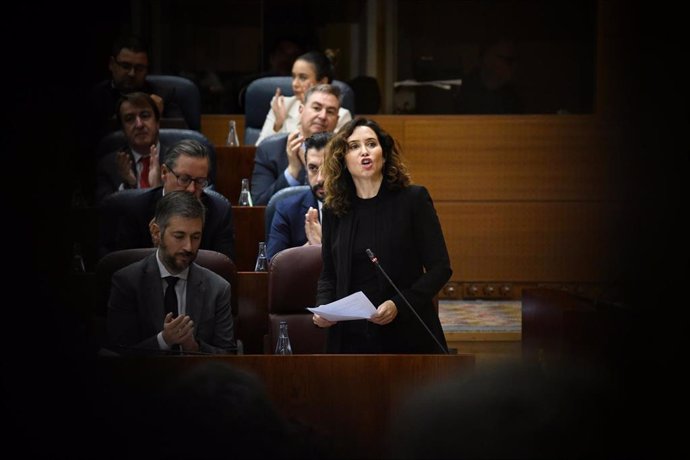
(125, 216)
(166, 301)
(278, 160)
(296, 221)
(137, 164)
(129, 67)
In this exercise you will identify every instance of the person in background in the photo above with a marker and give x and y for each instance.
(137, 164)
(129, 66)
(278, 162)
(125, 217)
(370, 204)
(489, 89)
(139, 318)
(297, 221)
(309, 69)
(280, 57)
(520, 410)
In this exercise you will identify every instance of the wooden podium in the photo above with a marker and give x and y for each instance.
(350, 399)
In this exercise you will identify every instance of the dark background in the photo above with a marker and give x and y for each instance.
(48, 65)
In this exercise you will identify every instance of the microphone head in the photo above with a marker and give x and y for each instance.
(371, 255)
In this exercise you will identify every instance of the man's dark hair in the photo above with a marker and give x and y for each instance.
(137, 99)
(316, 141)
(178, 203)
(131, 42)
(188, 147)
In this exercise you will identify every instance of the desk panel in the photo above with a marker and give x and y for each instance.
(252, 292)
(233, 165)
(249, 231)
(348, 398)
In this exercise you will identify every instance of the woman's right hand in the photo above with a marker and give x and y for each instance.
(322, 322)
(279, 110)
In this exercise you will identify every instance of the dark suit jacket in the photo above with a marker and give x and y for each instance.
(287, 228)
(411, 249)
(136, 312)
(108, 178)
(125, 217)
(270, 162)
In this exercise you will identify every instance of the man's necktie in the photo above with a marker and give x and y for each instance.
(144, 177)
(170, 299)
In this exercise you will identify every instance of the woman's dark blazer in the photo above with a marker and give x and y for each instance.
(411, 249)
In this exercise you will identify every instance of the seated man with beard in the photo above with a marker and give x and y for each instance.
(166, 301)
(296, 221)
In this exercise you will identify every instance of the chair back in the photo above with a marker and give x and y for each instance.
(258, 102)
(168, 136)
(181, 92)
(293, 275)
(275, 199)
(367, 94)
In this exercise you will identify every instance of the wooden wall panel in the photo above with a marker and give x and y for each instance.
(522, 199)
(533, 242)
(233, 165)
(249, 231)
(215, 127)
(511, 158)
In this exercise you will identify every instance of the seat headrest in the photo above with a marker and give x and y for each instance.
(293, 275)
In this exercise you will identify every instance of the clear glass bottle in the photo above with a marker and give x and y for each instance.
(283, 346)
(232, 140)
(77, 259)
(245, 195)
(261, 262)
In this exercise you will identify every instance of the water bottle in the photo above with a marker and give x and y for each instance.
(232, 140)
(261, 262)
(77, 259)
(283, 346)
(245, 196)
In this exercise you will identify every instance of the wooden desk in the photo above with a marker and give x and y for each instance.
(232, 165)
(249, 231)
(348, 398)
(252, 322)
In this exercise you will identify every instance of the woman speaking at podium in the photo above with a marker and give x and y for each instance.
(381, 236)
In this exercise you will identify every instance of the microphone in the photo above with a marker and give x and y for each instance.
(375, 261)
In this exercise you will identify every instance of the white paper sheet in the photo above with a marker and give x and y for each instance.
(354, 306)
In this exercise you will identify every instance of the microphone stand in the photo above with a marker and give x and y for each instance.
(375, 261)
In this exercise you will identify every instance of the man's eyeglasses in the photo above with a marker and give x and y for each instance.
(184, 180)
(128, 66)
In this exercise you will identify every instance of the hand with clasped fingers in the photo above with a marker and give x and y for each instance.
(179, 331)
(155, 167)
(312, 227)
(126, 172)
(321, 321)
(385, 313)
(295, 153)
(278, 107)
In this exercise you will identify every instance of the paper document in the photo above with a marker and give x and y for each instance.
(354, 306)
